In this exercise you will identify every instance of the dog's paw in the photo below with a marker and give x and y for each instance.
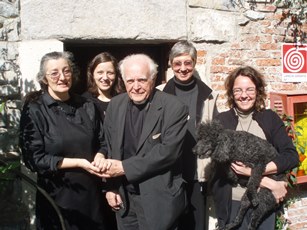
(220, 228)
(255, 202)
(229, 226)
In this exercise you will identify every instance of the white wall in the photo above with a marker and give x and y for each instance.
(30, 54)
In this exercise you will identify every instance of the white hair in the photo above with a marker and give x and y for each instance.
(153, 67)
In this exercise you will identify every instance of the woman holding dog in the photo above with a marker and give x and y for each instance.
(245, 89)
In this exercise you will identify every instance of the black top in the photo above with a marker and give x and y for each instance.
(193, 95)
(188, 93)
(100, 105)
(51, 130)
(275, 133)
(135, 117)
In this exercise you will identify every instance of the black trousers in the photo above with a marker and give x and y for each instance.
(227, 209)
(267, 224)
(135, 219)
(195, 216)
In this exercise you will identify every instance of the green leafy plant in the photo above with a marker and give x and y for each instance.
(5, 169)
(282, 221)
(295, 133)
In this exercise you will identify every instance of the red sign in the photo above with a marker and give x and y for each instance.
(294, 63)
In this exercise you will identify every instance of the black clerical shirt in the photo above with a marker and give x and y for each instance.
(133, 128)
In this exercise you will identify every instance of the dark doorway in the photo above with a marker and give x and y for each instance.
(84, 52)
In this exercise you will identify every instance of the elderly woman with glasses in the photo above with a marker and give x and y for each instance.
(61, 139)
(245, 89)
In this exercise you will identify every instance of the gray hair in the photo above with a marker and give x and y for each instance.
(183, 47)
(153, 67)
(68, 56)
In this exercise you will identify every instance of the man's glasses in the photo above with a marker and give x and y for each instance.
(251, 91)
(177, 64)
(55, 75)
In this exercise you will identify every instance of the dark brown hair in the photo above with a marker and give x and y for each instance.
(117, 87)
(255, 76)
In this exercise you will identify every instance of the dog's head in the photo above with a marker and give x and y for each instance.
(207, 136)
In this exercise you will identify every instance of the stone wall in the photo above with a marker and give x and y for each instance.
(226, 36)
(9, 75)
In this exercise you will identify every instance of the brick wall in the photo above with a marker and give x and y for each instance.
(297, 211)
(258, 45)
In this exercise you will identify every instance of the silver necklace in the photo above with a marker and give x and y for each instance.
(249, 125)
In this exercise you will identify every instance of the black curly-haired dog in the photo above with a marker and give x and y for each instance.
(225, 146)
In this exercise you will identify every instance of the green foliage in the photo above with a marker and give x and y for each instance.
(2, 106)
(2, 111)
(4, 115)
(293, 132)
(5, 170)
(281, 221)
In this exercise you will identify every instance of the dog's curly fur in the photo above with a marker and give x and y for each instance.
(225, 146)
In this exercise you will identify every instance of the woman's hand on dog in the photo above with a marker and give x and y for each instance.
(278, 188)
(241, 169)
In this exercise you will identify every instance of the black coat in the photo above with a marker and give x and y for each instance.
(50, 131)
(156, 165)
(205, 110)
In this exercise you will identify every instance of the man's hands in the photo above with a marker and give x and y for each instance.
(101, 163)
(114, 200)
(106, 168)
(116, 169)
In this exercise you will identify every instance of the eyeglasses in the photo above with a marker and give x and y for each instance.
(251, 91)
(55, 75)
(177, 64)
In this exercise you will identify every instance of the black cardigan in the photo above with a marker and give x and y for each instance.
(275, 133)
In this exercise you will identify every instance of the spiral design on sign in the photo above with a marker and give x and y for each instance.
(294, 60)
